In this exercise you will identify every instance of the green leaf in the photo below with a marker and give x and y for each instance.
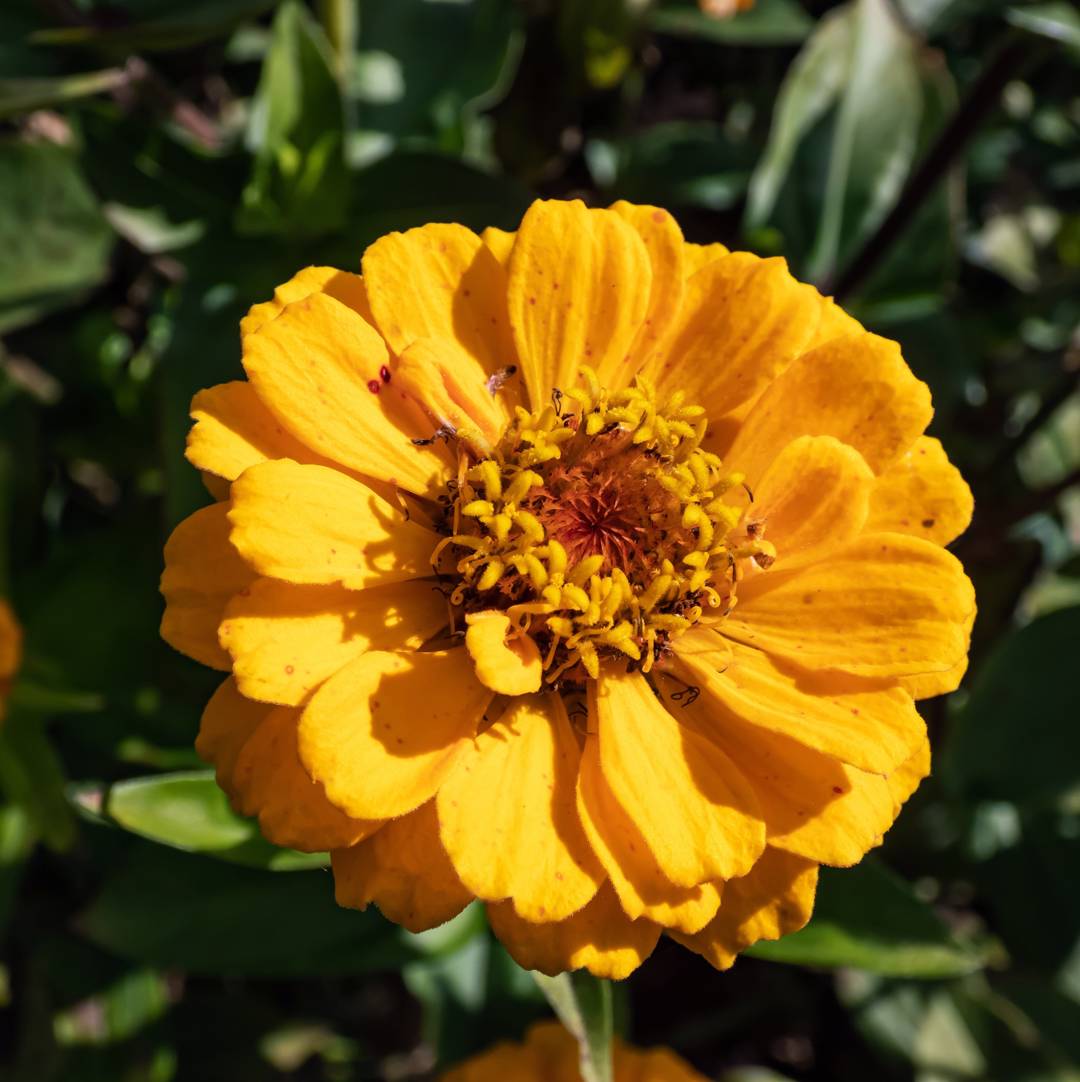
(845, 132)
(54, 240)
(23, 95)
(187, 810)
(875, 136)
(1016, 738)
(32, 778)
(811, 88)
(165, 26)
(424, 68)
(16, 841)
(299, 184)
(583, 1004)
(768, 22)
(172, 909)
(868, 918)
(680, 164)
(1057, 20)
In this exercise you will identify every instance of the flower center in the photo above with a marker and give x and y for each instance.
(599, 524)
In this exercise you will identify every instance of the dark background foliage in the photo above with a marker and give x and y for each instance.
(165, 163)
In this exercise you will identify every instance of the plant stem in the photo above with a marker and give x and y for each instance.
(981, 100)
(583, 1004)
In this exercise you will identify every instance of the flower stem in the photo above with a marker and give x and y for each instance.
(583, 1004)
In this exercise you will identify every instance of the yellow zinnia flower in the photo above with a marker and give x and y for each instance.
(581, 570)
(550, 1054)
(10, 652)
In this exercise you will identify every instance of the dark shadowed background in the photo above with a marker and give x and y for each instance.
(165, 163)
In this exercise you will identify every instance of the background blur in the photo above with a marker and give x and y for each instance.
(165, 163)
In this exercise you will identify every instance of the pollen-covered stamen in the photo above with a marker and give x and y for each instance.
(601, 529)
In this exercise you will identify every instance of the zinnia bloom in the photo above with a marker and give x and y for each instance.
(550, 1054)
(582, 570)
(10, 652)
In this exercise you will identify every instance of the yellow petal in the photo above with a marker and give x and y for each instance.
(906, 778)
(663, 240)
(508, 817)
(835, 323)
(202, 572)
(293, 810)
(884, 605)
(578, 292)
(227, 722)
(285, 639)
(311, 524)
(742, 320)
(641, 886)
(813, 497)
(599, 938)
(857, 389)
(557, 1053)
(504, 1061)
(234, 430)
(500, 242)
(697, 814)
(341, 285)
(404, 870)
(321, 370)
(696, 256)
(871, 727)
(922, 493)
(775, 899)
(440, 281)
(930, 684)
(510, 665)
(652, 1065)
(385, 732)
(812, 804)
(452, 389)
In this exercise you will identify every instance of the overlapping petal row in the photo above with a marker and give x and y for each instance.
(550, 1054)
(695, 795)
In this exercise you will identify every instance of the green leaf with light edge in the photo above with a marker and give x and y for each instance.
(584, 1006)
(299, 183)
(845, 132)
(868, 918)
(187, 810)
(1056, 20)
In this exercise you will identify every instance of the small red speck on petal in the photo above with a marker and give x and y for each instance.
(657, 215)
(927, 523)
(836, 789)
(374, 386)
(532, 300)
(289, 670)
(384, 374)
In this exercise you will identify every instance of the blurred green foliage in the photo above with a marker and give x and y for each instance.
(163, 165)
